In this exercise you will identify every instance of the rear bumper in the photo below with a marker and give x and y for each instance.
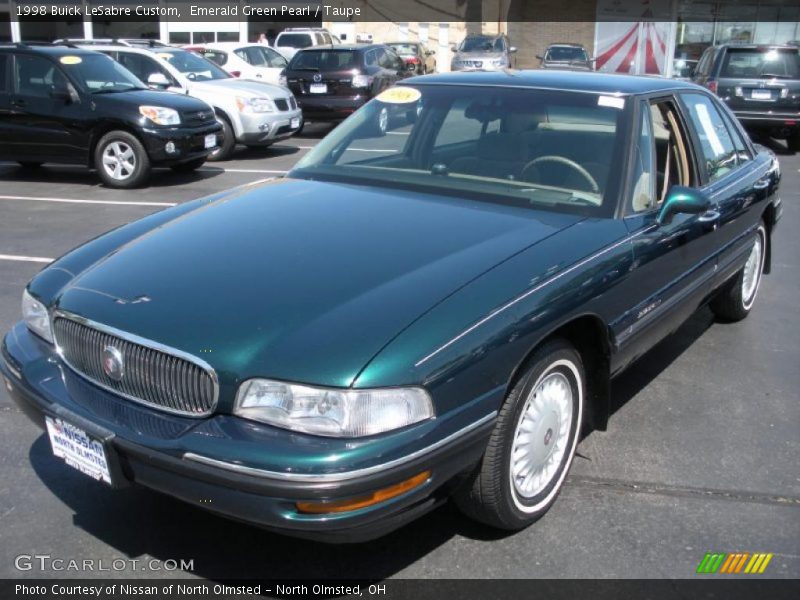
(149, 448)
(189, 143)
(789, 121)
(330, 108)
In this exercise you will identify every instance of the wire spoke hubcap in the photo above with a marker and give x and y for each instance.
(542, 434)
(119, 160)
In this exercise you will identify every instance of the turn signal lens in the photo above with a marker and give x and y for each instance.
(340, 506)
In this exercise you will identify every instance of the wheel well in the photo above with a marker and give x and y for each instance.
(769, 223)
(98, 134)
(589, 335)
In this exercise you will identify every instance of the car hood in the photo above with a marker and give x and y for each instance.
(300, 280)
(135, 98)
(240, 87)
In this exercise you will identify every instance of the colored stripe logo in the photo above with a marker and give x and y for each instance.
(734, 563)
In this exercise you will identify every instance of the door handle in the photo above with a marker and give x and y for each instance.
(709, 219)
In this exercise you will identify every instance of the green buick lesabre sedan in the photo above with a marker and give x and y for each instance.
(430, 305)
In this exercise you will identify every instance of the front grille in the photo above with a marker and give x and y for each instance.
(282, 104)
(198, 117)
(150, 376)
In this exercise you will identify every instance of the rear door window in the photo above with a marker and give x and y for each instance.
(716, 145)
(253, 56)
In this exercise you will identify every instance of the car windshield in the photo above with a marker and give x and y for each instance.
(481, 43)
(404, 48)
(524, 147)
(195, 67)
(294, 40)
(323, 60)
(565, 53)
(98, 73)
(756, 63)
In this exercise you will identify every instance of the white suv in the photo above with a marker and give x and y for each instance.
(292, 39)
(252, 113)
(247, 61)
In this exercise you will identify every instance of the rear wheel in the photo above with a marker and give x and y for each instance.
(532, 445)
(189, 166)
(734, 301)
(227, 141)
(121, 160)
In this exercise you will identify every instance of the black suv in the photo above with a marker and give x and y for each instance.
(761, 85)
(60, 104)
(332, 82)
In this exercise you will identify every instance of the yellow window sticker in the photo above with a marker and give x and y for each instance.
(165, 55)
(71, 60)
(399, 95)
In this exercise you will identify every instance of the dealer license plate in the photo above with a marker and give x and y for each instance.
(761, 95)
(78, 449)
(295, 123)
(318, 88)
(211, 140)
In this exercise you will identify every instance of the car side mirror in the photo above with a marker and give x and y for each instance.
(681, 199)
(453, 48)
(429, 53)
(512, 50)
(158, 80)
(60, 94)
(540, 57)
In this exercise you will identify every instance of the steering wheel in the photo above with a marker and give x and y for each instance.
(564, 161)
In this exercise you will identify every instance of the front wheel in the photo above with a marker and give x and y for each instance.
(734, 301)
(227, 142)
(121, 160)
(532, 445)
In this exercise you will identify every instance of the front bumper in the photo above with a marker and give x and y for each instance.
(189, 143)
(330, 108)
(263, 129)
(195, 460)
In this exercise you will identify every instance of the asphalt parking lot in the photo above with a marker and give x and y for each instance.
(701, 454)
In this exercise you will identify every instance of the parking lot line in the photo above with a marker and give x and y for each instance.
(36, 259)
(74, 201)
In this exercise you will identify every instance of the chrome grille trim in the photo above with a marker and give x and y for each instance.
(155, 375)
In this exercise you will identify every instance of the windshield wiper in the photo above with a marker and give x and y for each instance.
(111, 90)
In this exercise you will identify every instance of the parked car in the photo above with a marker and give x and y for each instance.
(71, 106)
(446, 325)
(247, 61)
(483, 53)
(422, 60)
(252, 113)
(572, 57)
(331, 83)
(292, 39)
(761, 84)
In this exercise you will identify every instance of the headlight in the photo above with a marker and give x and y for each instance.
(254, 105)
(35, 315)
(160, 115)
(332, 412)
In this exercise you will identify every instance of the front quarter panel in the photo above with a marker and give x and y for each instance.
(470, 345)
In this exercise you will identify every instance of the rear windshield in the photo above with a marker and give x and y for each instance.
(216, 56)
(566, 53)
(195, 67)
(294, 40)
(404, 48)
(761, 63)
(324, 60)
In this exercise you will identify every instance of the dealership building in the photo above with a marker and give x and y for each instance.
(640, 36)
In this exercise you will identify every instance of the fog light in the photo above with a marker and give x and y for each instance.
(738, 92)
(339, 506)
(170, 147)
(264, 127)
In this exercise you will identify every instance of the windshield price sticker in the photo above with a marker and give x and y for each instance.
(71, 60)
(399, 95)
(611, 101)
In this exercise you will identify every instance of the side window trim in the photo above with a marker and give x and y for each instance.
(642, 113)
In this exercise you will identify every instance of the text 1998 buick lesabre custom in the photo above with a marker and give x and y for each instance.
(335, 353)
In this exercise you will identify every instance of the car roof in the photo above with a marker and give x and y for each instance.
(134, 49)
(565, 45)
(323, 47)
(593, 82)
(48, 50)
